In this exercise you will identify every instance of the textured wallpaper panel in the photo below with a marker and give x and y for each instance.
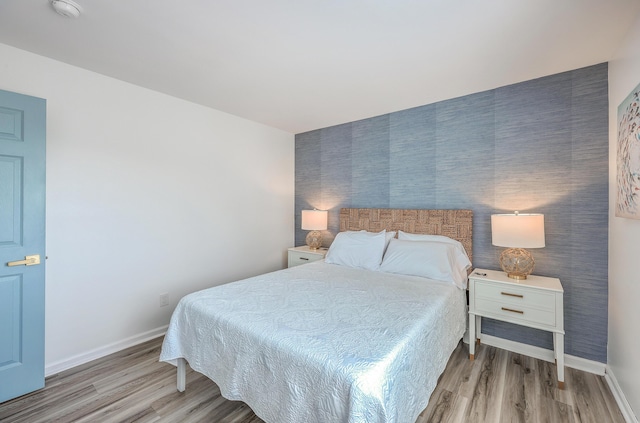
(587, 287)
(308, 190)
(465, 176)
(335, 173)
(412, 151)
(538, 146)
(370, 162)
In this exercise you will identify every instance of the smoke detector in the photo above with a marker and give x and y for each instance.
(68, 8)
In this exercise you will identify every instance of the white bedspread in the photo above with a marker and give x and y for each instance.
(322, 343)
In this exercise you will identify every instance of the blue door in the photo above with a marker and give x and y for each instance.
(22, 220)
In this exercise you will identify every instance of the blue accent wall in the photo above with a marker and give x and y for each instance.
(537, 146)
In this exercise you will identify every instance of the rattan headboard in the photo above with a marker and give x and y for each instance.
(456, 224)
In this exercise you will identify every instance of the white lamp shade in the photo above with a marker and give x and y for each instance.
(314, 220)
(517, 230)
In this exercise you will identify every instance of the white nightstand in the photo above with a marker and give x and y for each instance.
(304, 254)
(535, 302)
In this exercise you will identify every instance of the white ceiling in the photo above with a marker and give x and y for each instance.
(300, 65)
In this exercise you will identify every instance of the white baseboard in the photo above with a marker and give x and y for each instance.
(79, 359)
(625, 407)
(574, 362)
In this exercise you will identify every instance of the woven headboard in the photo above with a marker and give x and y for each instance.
(456, 224)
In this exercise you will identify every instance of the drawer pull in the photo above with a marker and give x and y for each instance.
(512, 295)
(304, 258)
(512, 310)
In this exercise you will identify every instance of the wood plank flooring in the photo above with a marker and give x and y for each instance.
(132, 386)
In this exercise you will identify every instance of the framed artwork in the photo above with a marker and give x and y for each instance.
(628, 159)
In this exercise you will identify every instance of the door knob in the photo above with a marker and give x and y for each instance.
(28, 261)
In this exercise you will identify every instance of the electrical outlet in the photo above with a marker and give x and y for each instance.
(164, 299)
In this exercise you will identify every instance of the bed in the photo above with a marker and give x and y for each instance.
(327, 342)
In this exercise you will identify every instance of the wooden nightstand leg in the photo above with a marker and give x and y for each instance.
(561, 385)
(471, 357)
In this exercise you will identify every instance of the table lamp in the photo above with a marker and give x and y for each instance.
(517, 231)
(314, 221)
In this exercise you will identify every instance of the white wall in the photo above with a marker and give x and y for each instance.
(624, 239)
(146, 194)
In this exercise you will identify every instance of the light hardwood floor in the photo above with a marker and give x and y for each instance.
(132, 386)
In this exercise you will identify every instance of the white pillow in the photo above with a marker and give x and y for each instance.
(389, 235)
(428, 259)
(460, 251)
(407, 236)
(387, 238)
(360, 249)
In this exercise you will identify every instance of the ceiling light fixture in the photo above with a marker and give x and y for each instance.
(68, 8)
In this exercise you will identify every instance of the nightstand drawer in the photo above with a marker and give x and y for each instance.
(515, 313)
(515, 295)
(303, 258)
(304, 255)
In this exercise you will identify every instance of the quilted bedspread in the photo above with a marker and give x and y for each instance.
(321, 343)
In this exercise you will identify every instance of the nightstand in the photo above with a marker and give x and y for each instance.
(536, 302)
(304, 254)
